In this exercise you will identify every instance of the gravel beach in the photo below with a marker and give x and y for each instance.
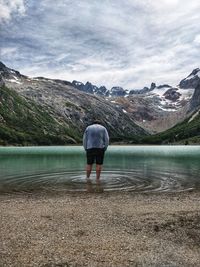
(100, 229)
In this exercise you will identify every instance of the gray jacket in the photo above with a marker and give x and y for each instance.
(95, 136)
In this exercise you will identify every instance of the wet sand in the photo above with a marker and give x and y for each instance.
(100, 229)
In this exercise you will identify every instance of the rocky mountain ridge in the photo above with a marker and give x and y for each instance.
(70, 108)
(125, 113)
(156, 108)
(192, 80)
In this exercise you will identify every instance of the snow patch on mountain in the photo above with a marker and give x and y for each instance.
(159, 91)
(14, 79)
(169, 98)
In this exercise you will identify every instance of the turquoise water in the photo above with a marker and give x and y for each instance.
(126, 168)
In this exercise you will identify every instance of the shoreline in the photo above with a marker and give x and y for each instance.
(100, 229)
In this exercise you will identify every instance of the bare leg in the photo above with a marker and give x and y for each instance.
(88, 171)
(98, 171)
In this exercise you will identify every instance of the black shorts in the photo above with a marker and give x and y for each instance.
(95, 155)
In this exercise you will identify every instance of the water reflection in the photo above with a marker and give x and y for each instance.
(139, 169)
(94, 187)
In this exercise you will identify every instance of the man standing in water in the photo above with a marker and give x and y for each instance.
(95, 142)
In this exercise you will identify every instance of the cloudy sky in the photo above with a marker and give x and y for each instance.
(128, 43)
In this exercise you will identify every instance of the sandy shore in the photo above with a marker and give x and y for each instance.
(108, 229)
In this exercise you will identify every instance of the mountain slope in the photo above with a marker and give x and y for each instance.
(24, 122)
(192, 80)
(195, 100)
(127, 115)
(186, 132)
(155, 109)
(66, 106)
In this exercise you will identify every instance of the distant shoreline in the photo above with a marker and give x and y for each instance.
(112, 144)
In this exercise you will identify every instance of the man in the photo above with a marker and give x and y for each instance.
(95, 142)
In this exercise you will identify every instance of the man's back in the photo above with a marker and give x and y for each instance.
(95, 136)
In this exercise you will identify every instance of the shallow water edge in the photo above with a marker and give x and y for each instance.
(126, 168)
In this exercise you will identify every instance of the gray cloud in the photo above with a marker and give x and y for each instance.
(130, 43)
(10, 7)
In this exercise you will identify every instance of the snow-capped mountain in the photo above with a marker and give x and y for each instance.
(168, 98)
(90, 88)
(154, 108)
(171, 98)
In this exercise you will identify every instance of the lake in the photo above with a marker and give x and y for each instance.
(126, 168)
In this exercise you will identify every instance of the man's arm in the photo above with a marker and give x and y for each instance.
(106, 138)
(85, 140)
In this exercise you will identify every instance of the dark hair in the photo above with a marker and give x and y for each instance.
(95, 122)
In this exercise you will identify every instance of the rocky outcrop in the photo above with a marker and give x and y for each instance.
(143, 91)
(7, 73)
(139, 91)
(117, 91)
(192, 80)
(90, 88)
(195, 101)
(153, 86)
(172, 94)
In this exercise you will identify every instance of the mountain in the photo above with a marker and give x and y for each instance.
(10, 74)
(185, 132)
(188, 130)
(115, 91)
(23, 122)
(102, 90)
(90, 88)
(159, 108)
(68, 109)
(143, 91)
(128, 115)
(191, 81)
(154, 108)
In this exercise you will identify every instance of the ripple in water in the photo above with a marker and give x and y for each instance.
(132, 180)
